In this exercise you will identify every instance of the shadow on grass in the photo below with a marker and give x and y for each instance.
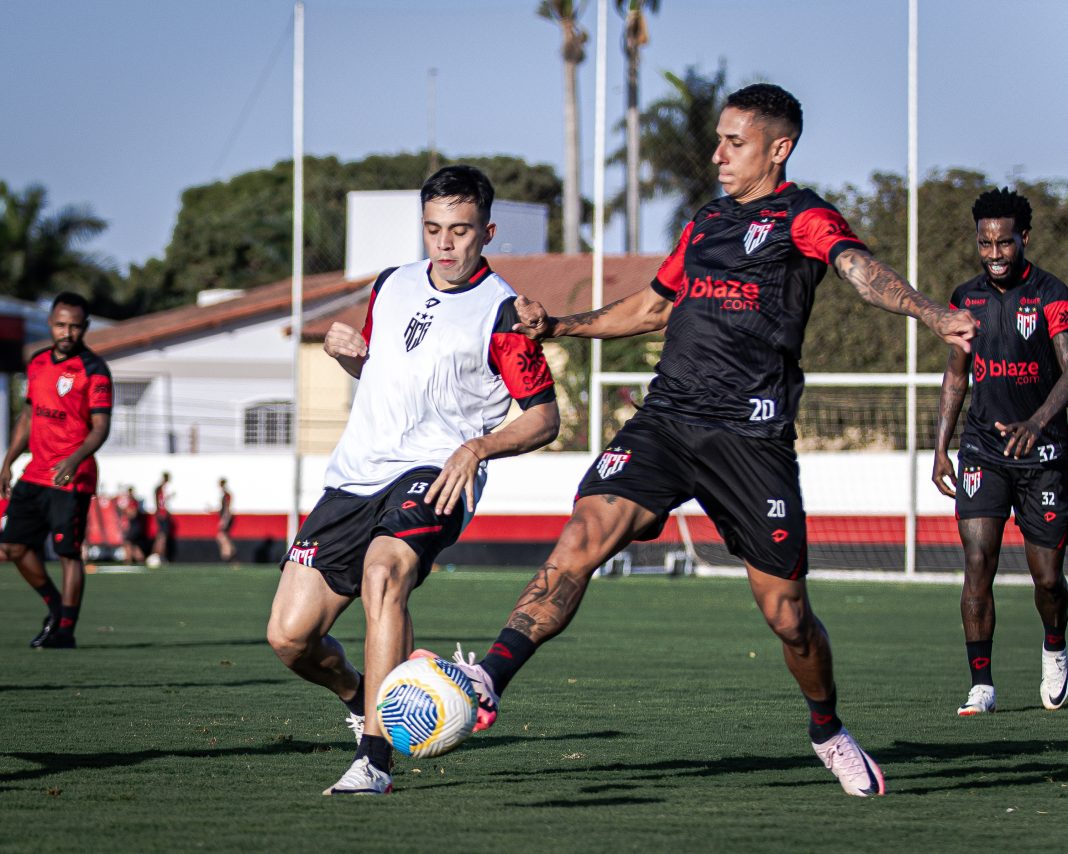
(426, 641)
(71, 686)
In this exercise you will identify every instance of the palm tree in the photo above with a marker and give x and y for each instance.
(635, 36)
(566, 13)
(38, 253)
(678, 137)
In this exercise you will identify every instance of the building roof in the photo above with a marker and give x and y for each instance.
(562, 283)
(156, 329)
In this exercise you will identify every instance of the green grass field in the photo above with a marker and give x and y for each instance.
(663, 719)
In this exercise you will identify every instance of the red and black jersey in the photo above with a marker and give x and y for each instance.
(1013, 364)
(63, 396)
(743, 279)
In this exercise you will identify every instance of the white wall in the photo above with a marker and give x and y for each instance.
(540, 484)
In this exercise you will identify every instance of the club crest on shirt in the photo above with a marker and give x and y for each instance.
(64, 384)
(756, 235)
(971, 479)
(418, 325)
(1027, 320)
(612, 461)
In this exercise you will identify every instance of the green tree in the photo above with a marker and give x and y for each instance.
(635, 37)
(565, 13)
(677, 140)
(238, 233)
(41, 254)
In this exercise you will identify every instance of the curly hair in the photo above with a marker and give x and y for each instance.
(1003, 204)
(770, 102)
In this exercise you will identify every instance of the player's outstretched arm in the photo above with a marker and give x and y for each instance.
(534, 428)
(63, 471)
(881, 286)
(643, 311)
(1022, 435)
(950, 402)
(20, 441)
(345, 344)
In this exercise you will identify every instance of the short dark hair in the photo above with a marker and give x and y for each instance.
(73, 300)
(1003, 204)
(462, 182)
(770, 102)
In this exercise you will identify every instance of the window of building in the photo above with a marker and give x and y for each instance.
(129, 422)
(269, 424)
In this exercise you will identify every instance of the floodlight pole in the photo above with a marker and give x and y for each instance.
(297, 297)
(596, 386)
(913, 276)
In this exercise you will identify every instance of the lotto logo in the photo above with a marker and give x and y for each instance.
(304, 554)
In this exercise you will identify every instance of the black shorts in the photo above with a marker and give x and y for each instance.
(1037, 496)
(35, 511)
(335, 536)
(749, 487)
(163, 525)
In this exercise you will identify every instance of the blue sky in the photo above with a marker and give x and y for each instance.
(122, 104)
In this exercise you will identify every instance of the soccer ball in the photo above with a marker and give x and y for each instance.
(153, 561)
(426, 707)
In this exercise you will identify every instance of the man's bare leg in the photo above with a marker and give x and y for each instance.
(304, 610)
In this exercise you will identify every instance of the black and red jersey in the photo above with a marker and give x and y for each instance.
(743, 279)
(63, 396)
(1013, 364)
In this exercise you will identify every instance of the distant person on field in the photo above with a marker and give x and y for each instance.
(227, 551)
(132, 519)
(164, 525)
(717, 424)
(1012, 448)
(66, 419)
(439, 365)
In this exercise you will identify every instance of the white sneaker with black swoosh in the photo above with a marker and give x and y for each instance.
(1054, 688)
(981, 700)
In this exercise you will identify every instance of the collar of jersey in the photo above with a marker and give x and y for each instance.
(1024, 276)
(784, 187)
(478, 278)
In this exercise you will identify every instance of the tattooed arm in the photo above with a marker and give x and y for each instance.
(950, 402)
(1022, 435)
(879, 285)
(642, 311)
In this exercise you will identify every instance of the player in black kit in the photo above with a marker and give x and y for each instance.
(718, 421)
(1012, 449)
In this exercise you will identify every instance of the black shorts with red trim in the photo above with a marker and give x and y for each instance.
(35, 511)
(749, 487)
(337, 533)
(1036, 495)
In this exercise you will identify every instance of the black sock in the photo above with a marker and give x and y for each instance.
(1054, 639)
(50, 594)
(979, 653)
(68, 618)
(377, 749)
(355, 705)
(509, 652)
(823, 720)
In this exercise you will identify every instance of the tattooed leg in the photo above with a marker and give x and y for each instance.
(599, 527)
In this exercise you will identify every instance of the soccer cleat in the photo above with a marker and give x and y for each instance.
(58, 640)
(855, 770)
(482, 682)
(981, 699)
(1054, 688)
(362, 778)
(355, 723)
(50, 624)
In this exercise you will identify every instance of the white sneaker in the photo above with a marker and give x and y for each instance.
(362, 778)
(855, 770)
(355, 723)
(981, 699)
(482, 682)
(1054, 688)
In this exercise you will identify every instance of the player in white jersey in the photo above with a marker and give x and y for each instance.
(438, 366)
